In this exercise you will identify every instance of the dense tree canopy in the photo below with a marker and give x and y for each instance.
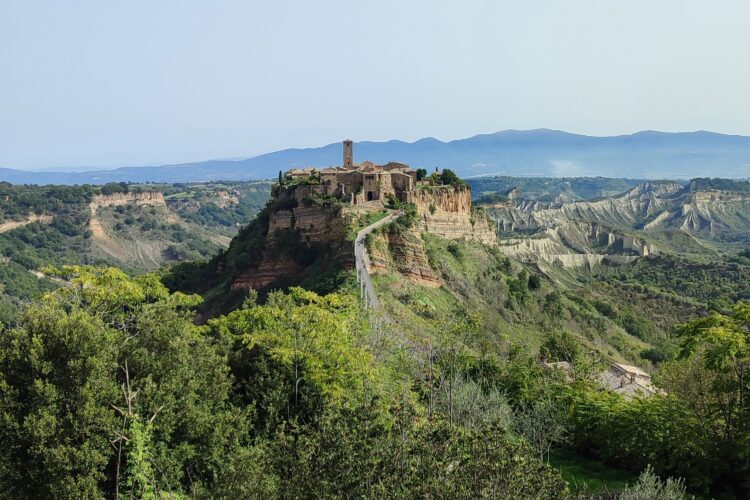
(107, 388)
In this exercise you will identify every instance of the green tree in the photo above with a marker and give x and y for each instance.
(449, 177)
(535, 282)
(105, 385)
(560, 346)
(315, 339)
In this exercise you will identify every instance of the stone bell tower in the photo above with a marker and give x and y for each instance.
(348, 153)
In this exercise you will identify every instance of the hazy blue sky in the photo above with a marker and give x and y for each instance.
(104, 83)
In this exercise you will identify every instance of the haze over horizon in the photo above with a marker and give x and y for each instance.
(334, 143)
(159, 83)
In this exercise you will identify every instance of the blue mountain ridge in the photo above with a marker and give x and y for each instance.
(540, 152)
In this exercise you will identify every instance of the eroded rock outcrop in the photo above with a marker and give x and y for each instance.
(405, 252)
(299, 229)
(155, 198)
(447, 212)
(643, 201)
(303, 217)
(29, 219)
(577, 244)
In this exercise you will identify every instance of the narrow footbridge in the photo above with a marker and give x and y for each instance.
(362, 261)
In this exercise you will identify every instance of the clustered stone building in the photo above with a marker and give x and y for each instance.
(363, 182)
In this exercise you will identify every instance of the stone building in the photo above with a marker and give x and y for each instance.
(363, 182)
(629, 381)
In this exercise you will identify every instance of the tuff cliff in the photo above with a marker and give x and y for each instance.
(118, 199)
(303, 228)
(404, 252)
(29, 219)
(447, 212)
(298, 229)
(627, 210)
(577, 244)
(650, 207)
(444, 211)
(152, 198)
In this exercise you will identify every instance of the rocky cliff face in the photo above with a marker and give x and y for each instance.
(447, 212)
(711, 214)
(585, 233)
(444, 211)
(651, 206)
(295, 236)
(404, 252)
(117, 199)
(627, 210)
(577, 244)
(31, 218)
(304, 218)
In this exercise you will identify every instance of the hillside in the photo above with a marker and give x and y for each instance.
(136, 227)
(696, 220)
(477, 360)
(459, 315)
(500, 189)
(305, 237)
(645, 155)
(428, 266)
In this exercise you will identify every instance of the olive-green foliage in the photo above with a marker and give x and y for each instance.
(707, 183)
(18, 285)
(409, 218)
(535, 282)
(560, 346)
(22, 200)
(63, 376)
(65, 239)
(449, 178)
(700, 431)
(349, 454)
(519, 287)
(315, 338)
(649, 487)
(546, 188)
(716, 283)
(251, 198)
(107, 387)
(491, 199)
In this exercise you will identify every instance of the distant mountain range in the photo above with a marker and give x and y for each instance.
(542, 152)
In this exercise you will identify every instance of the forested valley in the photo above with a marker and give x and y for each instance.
(483, 378)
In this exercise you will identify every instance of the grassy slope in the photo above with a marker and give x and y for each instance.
(478, 279)
(589, 477)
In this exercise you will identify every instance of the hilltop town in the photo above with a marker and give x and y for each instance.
(366, 182)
